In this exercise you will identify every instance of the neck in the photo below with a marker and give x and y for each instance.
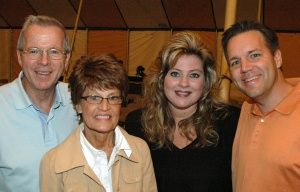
(279, 91)
(180, 114)
(179, 139)
(101, 141)
(43, 99)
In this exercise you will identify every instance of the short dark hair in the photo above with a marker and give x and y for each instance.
(269, 35)
(103, 72)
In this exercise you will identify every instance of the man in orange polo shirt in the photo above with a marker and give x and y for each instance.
(266, 150)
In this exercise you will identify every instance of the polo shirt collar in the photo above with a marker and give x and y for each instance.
(286, 106)
(24, 101)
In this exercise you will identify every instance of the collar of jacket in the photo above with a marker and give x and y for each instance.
(69, 155)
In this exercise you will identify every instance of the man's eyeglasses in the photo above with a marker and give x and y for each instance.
(36, 53)
(95, 99)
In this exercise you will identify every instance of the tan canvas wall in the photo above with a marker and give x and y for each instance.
(209, 38)
(140, 48)
(14, 60)
(116, 42)
(79, 47)
(144, 47)
(135, 48)
(5, 43)
(290, 49)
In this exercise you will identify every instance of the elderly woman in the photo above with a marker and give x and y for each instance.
(99, 155)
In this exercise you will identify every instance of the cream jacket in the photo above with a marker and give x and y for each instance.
(64, 168)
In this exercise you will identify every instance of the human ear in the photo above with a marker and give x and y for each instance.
(278, 58)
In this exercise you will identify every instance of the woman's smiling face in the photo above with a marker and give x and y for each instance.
(184, 83)
(102, 117)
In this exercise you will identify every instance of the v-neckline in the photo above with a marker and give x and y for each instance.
(184, 148)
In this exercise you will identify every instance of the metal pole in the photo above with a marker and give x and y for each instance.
(230, 17)
(259, 11)
(73, 40)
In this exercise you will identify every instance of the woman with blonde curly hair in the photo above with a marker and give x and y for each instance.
(190, 132)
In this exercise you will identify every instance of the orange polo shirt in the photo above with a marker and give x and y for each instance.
(266, 149)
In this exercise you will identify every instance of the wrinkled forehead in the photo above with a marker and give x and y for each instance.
(96, 90)
(101, 86)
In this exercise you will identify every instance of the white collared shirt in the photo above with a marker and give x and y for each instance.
(97, 159)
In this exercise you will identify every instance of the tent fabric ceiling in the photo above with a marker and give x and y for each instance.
(151, 14)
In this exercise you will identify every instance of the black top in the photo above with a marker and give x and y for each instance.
(192, 169)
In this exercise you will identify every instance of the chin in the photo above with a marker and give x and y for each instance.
(104, 130)
(253, 95)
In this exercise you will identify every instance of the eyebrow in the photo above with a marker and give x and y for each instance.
(192, 70)
(248, 53)
(234, 58)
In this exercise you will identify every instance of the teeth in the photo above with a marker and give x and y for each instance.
(182, 93)
(102, 116)
(43, 72)
(250, 79)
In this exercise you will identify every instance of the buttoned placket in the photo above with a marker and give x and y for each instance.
(102, 170)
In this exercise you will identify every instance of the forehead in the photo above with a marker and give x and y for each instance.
(44, 35)
(98, 91)
(189, 62)
(246, 41)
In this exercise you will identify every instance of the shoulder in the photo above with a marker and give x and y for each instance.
(133, 123)
(228, 113)
(14, 89)
(63, 148)
(4, 87)
(9, 88)
(66, 155)
(134, 115)
(140, 150)
(136, 143)
(227, 123)
(64, 92)
(6, 91)
(49, 161)
(63, 87)
(234, 112)
(13, 95)
(133, 140)
(50, 156)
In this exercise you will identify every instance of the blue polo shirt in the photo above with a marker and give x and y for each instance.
(26, 133)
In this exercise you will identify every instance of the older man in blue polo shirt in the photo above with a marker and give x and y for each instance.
(36, 112)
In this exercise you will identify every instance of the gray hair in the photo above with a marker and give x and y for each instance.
(42, 20)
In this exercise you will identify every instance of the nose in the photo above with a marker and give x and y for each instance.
(104, 105)
(183, 81)
(246, 65)
(44, 58)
